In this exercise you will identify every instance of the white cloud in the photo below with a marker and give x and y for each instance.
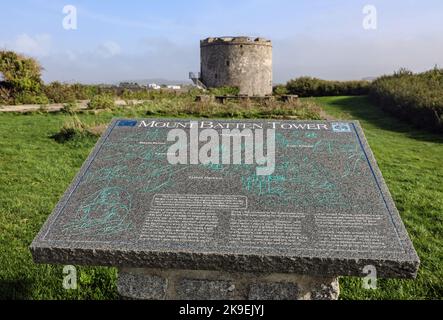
(72, 56)
(153, 58)
(108, 49)
(38, 45)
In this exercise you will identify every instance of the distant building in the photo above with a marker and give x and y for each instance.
(154, 86)
(174, 87)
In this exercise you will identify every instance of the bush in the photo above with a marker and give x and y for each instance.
(224, 91)
(21, 81)
(59, 93)
(417, 98)
(280, 89)
(313, 87)
(102, 101)
(84, 91)
(6, 96)
(300, 109)
(70, 107)
(74, 128)
(30, 98)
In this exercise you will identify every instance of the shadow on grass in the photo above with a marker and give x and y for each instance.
(361, 108)
(15, 289)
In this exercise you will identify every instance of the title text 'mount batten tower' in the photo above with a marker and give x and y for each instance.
(241, 62)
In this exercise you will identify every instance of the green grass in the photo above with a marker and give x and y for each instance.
(35, 170)
(411, 162)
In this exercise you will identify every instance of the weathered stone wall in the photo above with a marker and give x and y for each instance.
(240, 62)
(160, 284)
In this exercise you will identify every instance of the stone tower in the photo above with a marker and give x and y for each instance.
(241, 62)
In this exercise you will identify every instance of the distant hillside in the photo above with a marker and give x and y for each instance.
(158, 81)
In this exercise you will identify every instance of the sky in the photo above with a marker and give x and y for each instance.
(131, 40)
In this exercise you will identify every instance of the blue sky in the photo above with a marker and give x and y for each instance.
(128, 40)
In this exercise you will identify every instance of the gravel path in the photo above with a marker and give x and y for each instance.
(82, 104)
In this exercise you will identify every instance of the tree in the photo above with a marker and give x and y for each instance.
(21, 75)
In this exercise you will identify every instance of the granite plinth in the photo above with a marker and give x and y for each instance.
(324, 211)
(179, 284)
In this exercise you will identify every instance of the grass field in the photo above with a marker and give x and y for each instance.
(35, 170)
(411, 162)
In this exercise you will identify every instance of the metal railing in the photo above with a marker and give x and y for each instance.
(195, 77)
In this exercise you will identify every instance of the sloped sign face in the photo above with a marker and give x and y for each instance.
(168, 193)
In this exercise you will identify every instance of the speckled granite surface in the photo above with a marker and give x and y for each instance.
(325, 210)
